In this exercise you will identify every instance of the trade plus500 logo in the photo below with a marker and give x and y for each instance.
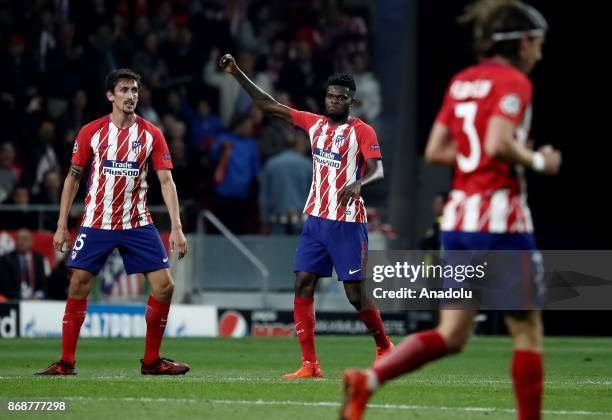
(327, 158)
(121, 168)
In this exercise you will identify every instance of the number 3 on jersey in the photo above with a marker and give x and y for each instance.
(467, 112)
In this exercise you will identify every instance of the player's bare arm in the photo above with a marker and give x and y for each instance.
(374, 173)
(71, 186)
(500, 144)
(262, 99)
(168, 188)
(441, 149)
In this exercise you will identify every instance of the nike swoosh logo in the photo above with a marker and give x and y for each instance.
(354, 271)
(165, 259)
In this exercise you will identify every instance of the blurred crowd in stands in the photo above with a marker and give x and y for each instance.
(253, 172)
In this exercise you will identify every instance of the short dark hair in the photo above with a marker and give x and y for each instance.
(116, 75)
(499, 25)
(342, 79)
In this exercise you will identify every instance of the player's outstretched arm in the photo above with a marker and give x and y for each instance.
(71, 187)
(374, 173)
(168, 189)
(262, 99)
(441, 149)
(500, 144)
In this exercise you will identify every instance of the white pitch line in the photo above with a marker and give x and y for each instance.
(326, 404)
(408, 407)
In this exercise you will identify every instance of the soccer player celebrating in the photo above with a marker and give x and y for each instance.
(481, 130)
(346, 156)
(119, 147)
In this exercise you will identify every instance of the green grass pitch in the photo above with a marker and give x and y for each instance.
(240, 379)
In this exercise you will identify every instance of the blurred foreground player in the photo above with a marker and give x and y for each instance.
(119, 147)
(346, 156)
(482, 130)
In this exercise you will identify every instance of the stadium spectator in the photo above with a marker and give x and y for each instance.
(173, 106)
(99, 58)
(274, 134)
(19, 82)
(77, 113)
(23, 272)
(204, 126)
(8, 172)
(284, 186)
(275, 60)
(145, 105)
(51, 190)
(50, 194)
(45, 155)
(62, 78)
(19, 217)
(150, 64)
(302, 77)
(236, 174)
(368, 106)
(183, 60)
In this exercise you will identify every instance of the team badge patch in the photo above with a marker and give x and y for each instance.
(339, 140)
(510, 105)
(136, 146)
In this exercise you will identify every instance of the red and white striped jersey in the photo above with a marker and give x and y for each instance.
(339, 153)
(488, 195)
(117, 187)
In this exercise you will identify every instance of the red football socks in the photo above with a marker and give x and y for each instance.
(304, 318)
(156, 317)
(410, 354)
(74, 315)
(373, 322)
(528, 382)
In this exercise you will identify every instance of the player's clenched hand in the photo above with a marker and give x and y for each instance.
(350, 193)
(552, 159)
(60, 238)
(178, 242)
(228, 64)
